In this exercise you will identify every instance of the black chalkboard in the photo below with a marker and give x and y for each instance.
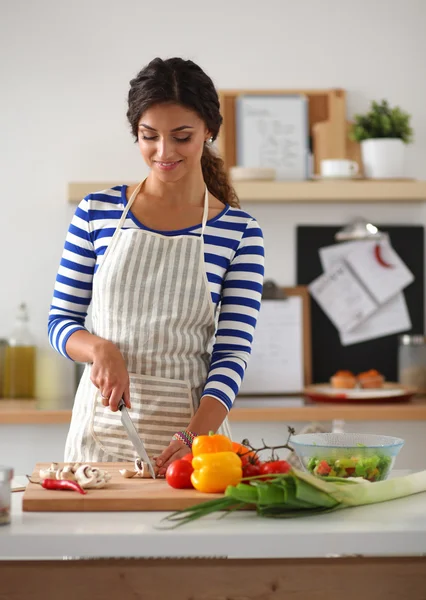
(328, 355)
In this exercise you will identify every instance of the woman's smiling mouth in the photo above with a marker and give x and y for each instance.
(167, 166)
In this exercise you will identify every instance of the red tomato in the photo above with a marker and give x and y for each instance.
(251, 470)
(244, 453)
(249, 458)
(274, 466)
(178, 474)
(188, 457)
(323, 468)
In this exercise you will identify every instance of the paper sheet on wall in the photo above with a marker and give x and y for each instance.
(342, 297)
(19, 483)
(390, 318)
(379, 268)
(276, 363)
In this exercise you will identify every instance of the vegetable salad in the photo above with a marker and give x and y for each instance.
(372, 468)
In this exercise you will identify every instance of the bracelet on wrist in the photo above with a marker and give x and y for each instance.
(186, 437)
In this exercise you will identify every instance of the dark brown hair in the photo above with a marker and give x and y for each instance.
(183, 82)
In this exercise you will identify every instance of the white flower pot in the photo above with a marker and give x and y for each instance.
(383, 158)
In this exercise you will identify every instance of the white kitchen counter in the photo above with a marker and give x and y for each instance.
(396, 528)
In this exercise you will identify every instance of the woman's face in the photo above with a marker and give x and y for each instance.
(171, 140)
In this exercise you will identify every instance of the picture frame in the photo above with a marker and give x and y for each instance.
(281, 361)
(326, 106)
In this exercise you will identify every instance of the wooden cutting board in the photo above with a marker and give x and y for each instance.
(119, 494)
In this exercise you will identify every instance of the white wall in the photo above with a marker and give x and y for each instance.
(65, 69)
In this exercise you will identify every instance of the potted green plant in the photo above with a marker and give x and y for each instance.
(383, 133)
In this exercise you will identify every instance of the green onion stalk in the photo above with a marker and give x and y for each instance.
(299, 494)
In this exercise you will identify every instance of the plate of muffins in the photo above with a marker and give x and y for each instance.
(368, 386)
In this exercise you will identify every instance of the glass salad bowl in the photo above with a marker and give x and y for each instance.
(365, 455)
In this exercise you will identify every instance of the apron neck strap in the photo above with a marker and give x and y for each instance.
(205, 211)
(132, 197)
(129, 204)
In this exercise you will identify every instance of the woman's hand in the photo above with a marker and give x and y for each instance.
(174, 451)
(109, 374)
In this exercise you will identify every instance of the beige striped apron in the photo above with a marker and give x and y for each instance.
(151, 298)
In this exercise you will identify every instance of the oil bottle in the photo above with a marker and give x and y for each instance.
(19, 364)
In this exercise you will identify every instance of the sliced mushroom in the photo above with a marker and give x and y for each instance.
(65, 473)
(127, 474)
(85, 476)
(49, 473)
(98, 483)
(142, 469)
(91, 477)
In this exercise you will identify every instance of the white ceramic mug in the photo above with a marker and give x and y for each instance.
(338, 167)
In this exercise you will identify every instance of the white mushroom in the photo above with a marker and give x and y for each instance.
(127, 474)
(49, 473)
(142, 469)
(65, 473)
(99, 483)
(91, 477)
(100, 478)
(85, 476)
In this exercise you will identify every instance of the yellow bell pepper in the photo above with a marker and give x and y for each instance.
(205, 444)
(214, 471)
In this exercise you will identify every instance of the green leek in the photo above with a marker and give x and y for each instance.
(298, 494)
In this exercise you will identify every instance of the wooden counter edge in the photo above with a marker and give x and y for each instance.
(328, 412)
(369, 577)
(410, 411)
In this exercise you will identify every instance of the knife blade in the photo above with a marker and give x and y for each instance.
(129, 426)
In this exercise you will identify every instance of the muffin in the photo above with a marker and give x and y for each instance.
(343, 380)
(371, 379)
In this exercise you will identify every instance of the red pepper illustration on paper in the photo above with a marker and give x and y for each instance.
(379, 257)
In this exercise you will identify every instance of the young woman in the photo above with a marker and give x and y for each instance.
(173, 269)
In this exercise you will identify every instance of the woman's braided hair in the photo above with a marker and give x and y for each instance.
(180, 81)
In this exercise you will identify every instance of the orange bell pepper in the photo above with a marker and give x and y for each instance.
(214, 471)
(206, 444)
(245, 453)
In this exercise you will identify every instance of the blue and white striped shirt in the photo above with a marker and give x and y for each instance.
(234, 261)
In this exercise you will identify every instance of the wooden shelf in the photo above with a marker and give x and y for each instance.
(331, 191)
(27, 413)
(362, 190)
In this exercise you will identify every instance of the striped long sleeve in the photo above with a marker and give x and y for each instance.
(73, 286)
(240, 304)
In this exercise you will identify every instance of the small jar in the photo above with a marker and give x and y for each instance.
(412, 361)
(3, 346)
(6, 475)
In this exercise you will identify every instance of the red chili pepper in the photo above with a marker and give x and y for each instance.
(379, 257)
(60, 484)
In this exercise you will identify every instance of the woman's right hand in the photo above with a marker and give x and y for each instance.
(109, 374)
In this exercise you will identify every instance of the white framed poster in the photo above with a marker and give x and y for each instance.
(273, 132)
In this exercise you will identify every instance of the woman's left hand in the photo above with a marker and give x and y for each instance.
(174, 451)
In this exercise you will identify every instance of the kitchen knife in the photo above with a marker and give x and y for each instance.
(134, 437)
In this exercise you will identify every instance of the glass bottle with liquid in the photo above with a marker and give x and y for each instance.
(412, 361)
(19, 363)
